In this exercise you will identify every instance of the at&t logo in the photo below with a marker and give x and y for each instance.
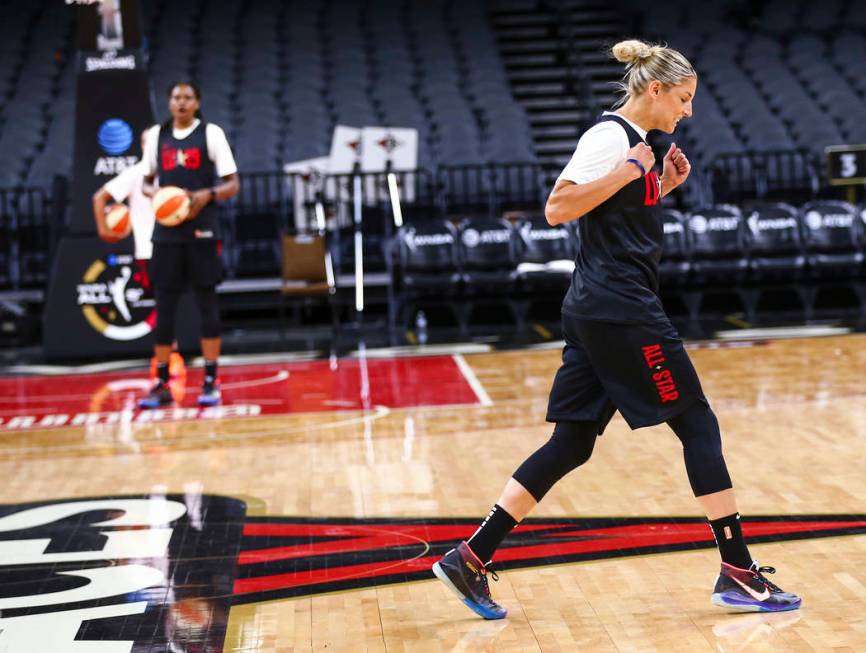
(114, 137)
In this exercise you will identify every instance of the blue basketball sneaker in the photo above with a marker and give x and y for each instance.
(159, 395)
(465, 575)
(749, 591)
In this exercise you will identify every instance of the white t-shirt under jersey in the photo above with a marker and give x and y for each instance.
(602, 148)
(128, 185)
(218, 149)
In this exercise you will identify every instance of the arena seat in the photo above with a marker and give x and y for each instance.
(675, 266)
(718, 244)
(488, 254)
(776, 258)
(488, 250)
(546, 256)
(833, 236)
(775, 243)
(255, 245)
(428, 257)
(428, 270)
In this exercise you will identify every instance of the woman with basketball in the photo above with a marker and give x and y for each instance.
(194, 155)
(622, 352)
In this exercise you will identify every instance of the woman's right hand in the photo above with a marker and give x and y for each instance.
(198, 199)
(643, 153)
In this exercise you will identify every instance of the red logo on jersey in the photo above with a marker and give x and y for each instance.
(173, 158)
(653, 188)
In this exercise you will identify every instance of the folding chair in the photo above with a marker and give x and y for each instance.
(307, 273)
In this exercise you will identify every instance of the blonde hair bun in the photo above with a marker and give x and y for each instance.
(646, 62)
(632, 51)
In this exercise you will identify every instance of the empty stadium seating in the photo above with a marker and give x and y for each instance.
(774, 77)
(278, 77)
(715, 249)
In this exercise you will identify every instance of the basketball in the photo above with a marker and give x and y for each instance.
(117, 220)
(170, 206)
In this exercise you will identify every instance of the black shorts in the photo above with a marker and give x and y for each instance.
(178, 266)
(642, 370)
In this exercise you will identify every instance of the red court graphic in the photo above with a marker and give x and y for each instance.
(28, 402)
(284, 557)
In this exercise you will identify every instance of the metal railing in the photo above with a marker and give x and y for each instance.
(789, 175)
(274, 202)
(291, 197)
(492, 187)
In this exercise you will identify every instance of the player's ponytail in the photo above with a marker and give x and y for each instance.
(646, 62)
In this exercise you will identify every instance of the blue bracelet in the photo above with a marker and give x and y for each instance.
(639, 165)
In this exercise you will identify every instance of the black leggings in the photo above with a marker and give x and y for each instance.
(568, 448)
(167, 300)
(572, 443)
(698, 430)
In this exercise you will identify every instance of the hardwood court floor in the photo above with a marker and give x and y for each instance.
(793, 417)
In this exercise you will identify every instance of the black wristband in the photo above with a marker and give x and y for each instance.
(639, 165)
(213, 195)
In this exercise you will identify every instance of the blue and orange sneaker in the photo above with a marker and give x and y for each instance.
(749, 591)
(465, 575)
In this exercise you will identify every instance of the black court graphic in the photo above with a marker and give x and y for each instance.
(160, 573)
(155, 573)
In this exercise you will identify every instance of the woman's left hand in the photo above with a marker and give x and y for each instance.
(198, 199)
(676, 168)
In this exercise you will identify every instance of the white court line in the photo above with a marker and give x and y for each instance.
(783, 332)
(57, 370)
(424, 350)
(541, 346)
(472, 380)
(378, 413)
(134, 363)
(143, 384)
(276, 378)
(230, 360)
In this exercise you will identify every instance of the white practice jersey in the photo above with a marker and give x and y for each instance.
(602, 148)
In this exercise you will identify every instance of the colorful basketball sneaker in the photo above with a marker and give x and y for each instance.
(748, 590)
(465, 575)
(210, 392)
(159, 395)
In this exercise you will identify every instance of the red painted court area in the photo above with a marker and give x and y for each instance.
(28, 402)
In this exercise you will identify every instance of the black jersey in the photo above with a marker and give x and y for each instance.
(616, 270)
(185, 162)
